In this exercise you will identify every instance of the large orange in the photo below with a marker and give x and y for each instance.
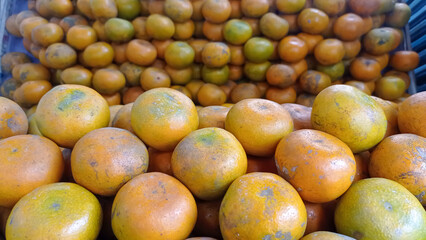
(207, 161)
(13, 120)
(237, 31)
(348, 27)
(105, 159)
(400, 158)
(161, 117)
(56, 211)
(215, 54)
(67, 112)
(378, 208)
(307, 159)
(350, 115)
(258, 139)
(153, 206)
(412, 114)
(27, 162)
(268, 205)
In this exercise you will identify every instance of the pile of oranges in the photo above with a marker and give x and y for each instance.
(249, 119)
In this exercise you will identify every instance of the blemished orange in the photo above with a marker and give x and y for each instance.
(153, 206)
(412, 114)
(60, 56)
(283, 215)
(243, 91)
(207, 161)
(13, 120)
(365, 69)
(314, 82)
(212, 116)
(300, 114)
(153, 77)
(216, 54)
(28, 162)
(105, 159)
(45, 213)
(315, 178)
(312, 20)
(67, 112)
(162, 117)
(258, 139)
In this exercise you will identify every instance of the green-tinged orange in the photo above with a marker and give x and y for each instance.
(119, 30)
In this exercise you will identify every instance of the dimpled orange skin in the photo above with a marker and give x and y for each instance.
(207, 161)
(67, 112)
(153, 206)
(161, 117)
(412, 114)
(318, 165)
(258, 139)
(56, 211)
(13, 120)
(262, 206)
(27, 162)
(401, 158)
(105, 159)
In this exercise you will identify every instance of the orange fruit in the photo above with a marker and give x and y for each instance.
(323, 235)
(11, 59)
(12, 27)
(197, 5)
(411, 114)
(141, 52)
(212, 31)
(215, 54)
(108, 81)
(70, 21)
(216, 11)
(153, 206)
(160, 161)
(237, 55)
(258, 50)
(156, 7)
(301, 115)
(281, 95)
(250, 197)
(273, 26)
(315, 178)
(235, 73)
(78, 109)
(261, 164)
(360, 85)
(139, 24)
(390, 87)
(198, 46)
(13, 120)
(184, 31)
(243, 91)
(77, 75)
(292, 49)
(105, 159)
(159, 27)
(378, 208)
(256, 71)
(60, 56)
(215, 75)
(122, 118)
(237, 31)
(365, 69)
(281, 75)
(179, 76)
(30, 93)
(235, 9)
(46, 34)
(208, 220)
(119, 30)
(131, 93)
(258, 139)
(162, 117)
(404, 60)
(179, 55)
(348, 27)
(28, 162)
(99, 28)
(254, 8)
(98, 54)
(28, 24)
(207, 161)
(311, 40)
(211, 94)
(254, 24)
(379, 41)
(383, 59)
(350, 115)
(314, 81)
(352, 48)
(399, 15)
(128, 9)
(80, 36)
(329, 51)
(154, 78)
(103, 9)
(178, 10)
(364, 7)
(391, 112)
(331, 8)
(399, 158)
(320, 216)
(334, 71)
(212, 116)
(312, 20)
(290, 6)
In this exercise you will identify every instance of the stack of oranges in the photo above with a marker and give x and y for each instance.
(248, 119)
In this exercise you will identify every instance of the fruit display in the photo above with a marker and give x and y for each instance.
(211, 119)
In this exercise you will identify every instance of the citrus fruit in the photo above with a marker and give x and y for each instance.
(237, 31)
(258, 49)
(212, 116)
(179, 55)
(13, 120)
(215, 54)
(323, 235)
(119, 30)
(411, 114)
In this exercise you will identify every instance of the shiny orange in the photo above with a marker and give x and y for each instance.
(99, 54)
(292, 49)
(211, 94)
(329, 51)
(348, 27)
(404, 60)
(365, 69)
(312, 20)
(216, 54)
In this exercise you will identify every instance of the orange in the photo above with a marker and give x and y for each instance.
(270, 206)
(360, 85)
(60, 56)
(11, 59)
(307, 159)
(235, 73)
(46, 34)
(299, 67)
(184, 31)
(112, 100)
(160, 161)
(365, 69)
(256, 71)
(99, 54)
(197, 5)
(212, 116)
(390, 87)
(218, 75)
(69, 21)
(12, 27)
(243, 91)
(237, 31)
(411, 114)
(105, 159)
(310, 40)
(261, 164)
(331, 8)
(99, 28)
(51, 205)
(364, 7)
(119, 30)
(399, 158)
(320, 216)
(254, 8)
(312, 20)
(404, 60)
(198, 46)
(153, 206)
(13, 120)
(301, 115)
(290, 6)
(237, 55)
(281, 95)
(141, 52)
(207, 161)
(348, 27)
(179, 76)
(215, 54)
(292, 49)
(207, 220)
(30, 93)
(378, 208)
(216, 11)
(80, 36)
(28, 162)
(254, 24)
(103, 9)
(213, 31)
(399, 16)
(179, 55)
(68, 112)
(131, 93)
(108, 81)
(178, 10)
(334, 71)
(258, 50)
(153, 77)
(128, 9)
(211, 94)
(391, 112)
(156, 7)
(379, 41)
(168, 116)
(159, 27)
(28, 24)
(314, 81)
(194, 86)
(329, 51)
(77, 75)
(258, 139)
(139, 24)
(161, 47)
(121, 118)
(281, 75)
(228, 87)
(352, 48)
(323, 235)
(235, 9)
(350, 115)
